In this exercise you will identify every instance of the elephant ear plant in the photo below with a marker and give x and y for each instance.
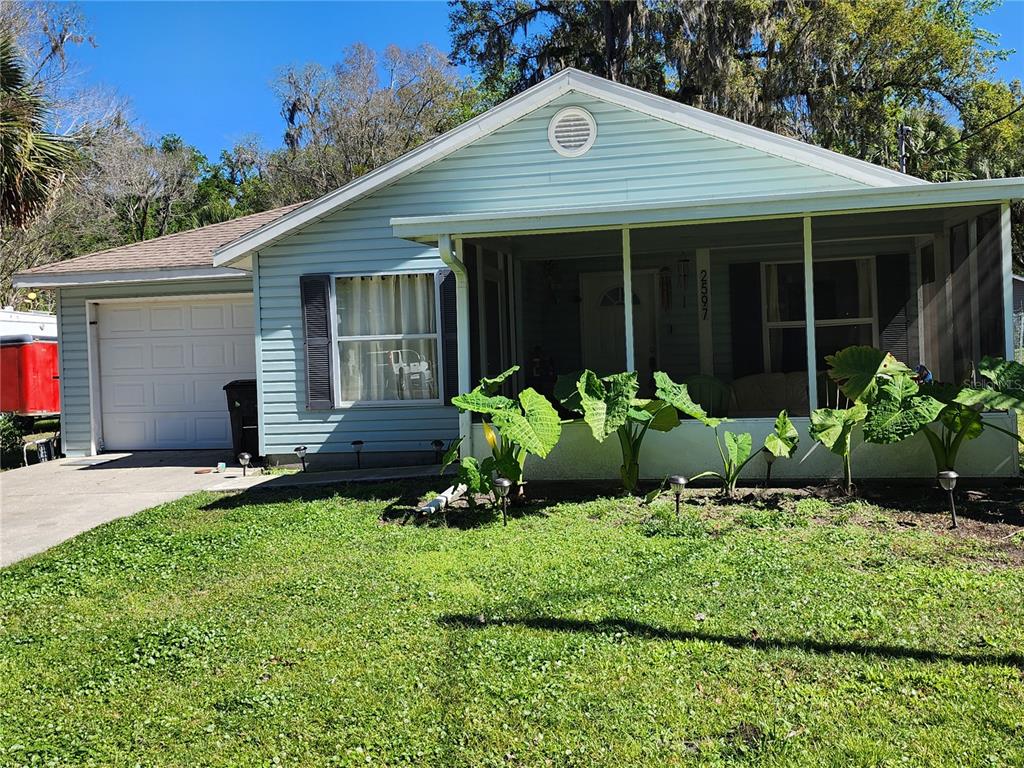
(514, 428)
(780, 444)
(859, 373)
(609, 405)
(736, 450)
(947, 415)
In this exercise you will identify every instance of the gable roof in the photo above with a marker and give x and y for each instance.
(858, 172)
(182, 250)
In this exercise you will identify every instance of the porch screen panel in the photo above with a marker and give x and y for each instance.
(893, 285)
(960, 279)
(387, 337)
(990, 285)
(745, 319)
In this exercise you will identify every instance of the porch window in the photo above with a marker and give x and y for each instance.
(844, 309)
(387, 336)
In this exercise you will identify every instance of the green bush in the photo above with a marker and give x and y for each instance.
(12, 432)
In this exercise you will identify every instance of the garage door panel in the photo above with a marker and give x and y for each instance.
(163, 367)
(211, 354)
(169, 355)
(245, 353)
(167, 319)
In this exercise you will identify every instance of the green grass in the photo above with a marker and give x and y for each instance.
(216, 632)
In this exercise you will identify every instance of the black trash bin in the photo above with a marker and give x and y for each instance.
(245, 437)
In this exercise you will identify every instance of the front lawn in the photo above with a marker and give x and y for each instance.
(255, 630)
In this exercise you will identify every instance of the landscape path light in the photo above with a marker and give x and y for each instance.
(244, 459)
(300, 451)
(501, 487)
(947, 481)
(678, 484)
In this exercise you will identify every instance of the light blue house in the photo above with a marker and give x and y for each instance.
(580, 224)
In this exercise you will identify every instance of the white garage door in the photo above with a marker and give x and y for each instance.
(163, 366)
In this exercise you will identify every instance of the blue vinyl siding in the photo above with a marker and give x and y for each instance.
(635, 158)
(73, 332)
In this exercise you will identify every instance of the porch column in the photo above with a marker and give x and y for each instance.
(453, 258)
(1006, 268)
(627, 298)
(705, 342)
(812, 353)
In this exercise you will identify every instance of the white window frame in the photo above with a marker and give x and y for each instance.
(769, 325)
(337, 338)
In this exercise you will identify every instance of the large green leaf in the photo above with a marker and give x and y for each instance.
(479, 401)
(1005, 390)
(832, 427)
(664, 418)
(856, 369)
(566, 391)
(677, 396)
(1005, 375)
(492, 385)
(606, 402)
(783, 441)
(899, 411)
(738, 447)
(963, 419)
(536, 428)
(451, 455)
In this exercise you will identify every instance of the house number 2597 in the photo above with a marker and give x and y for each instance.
(703, 294)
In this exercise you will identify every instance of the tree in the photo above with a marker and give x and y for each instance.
(837, 73)
(34, 162)
(345, 121)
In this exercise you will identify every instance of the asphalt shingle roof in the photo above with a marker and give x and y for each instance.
(182, 250)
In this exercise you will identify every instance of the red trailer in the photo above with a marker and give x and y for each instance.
(28, 376)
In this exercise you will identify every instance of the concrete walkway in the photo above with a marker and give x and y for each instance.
(45, 504)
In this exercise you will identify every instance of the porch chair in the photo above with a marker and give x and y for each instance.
(829, 393)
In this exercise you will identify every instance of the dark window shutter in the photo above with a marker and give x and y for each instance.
(315, 291)
(449, 335)
(745, 319)
(892, 275)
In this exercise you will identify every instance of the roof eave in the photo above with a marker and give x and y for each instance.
(427, 229)
(71, 279)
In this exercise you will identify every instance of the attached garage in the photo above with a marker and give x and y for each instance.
(161, 369)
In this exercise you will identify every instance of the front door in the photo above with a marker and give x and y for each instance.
(603, 323)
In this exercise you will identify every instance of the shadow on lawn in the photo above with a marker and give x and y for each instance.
(652, 632)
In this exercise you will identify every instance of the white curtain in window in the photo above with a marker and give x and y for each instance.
(385, 369)
(382, 305)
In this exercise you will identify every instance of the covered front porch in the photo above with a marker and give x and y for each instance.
(743, 309)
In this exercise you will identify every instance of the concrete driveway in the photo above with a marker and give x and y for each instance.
(45, 504)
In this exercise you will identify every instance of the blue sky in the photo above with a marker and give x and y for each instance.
(203, 69)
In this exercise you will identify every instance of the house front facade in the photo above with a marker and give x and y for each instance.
(581, 224)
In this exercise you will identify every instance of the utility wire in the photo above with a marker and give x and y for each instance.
(971, 135)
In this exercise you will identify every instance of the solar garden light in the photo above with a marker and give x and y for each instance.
(947, 481)
(244, 459)
(300, 451)
(438, 446)
(357, 446)
(678, 483)
(501, 487)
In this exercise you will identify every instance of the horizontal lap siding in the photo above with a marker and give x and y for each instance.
(635, 158)
(75, 418)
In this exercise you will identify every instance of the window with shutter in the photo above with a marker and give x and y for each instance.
(315, 292)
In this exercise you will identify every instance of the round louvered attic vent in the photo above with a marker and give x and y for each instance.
(572, 132)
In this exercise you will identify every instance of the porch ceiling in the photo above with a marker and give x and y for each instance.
(988, 191)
